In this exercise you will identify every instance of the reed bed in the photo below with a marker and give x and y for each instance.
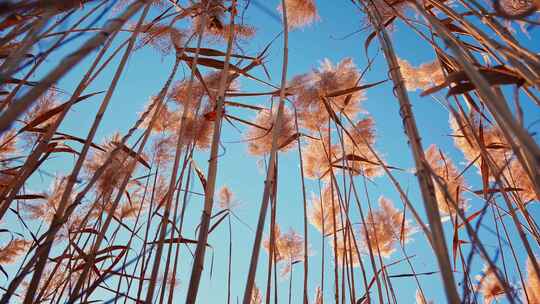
(246, 177)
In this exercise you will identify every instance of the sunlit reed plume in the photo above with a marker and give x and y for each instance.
(163, 38)
(386, 227)
(309, 88)
(44, 104)
(318, 155)
(300, 12)
(422, 77)
(464, 138)
(260, 138)
(117, 168)
(215, 24)
(289, 248)
(13, 250)
(446, 171)
(226, 198)
(490, 288)
(323, 213)
(518, 178)
(346, 250)
(166, 121)
(360, 158)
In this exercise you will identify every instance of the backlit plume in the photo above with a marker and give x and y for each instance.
(448, 174)
(167, 120)
(388, 8)
(323, 213)
(309, 88)
(13, 250)
(289, 248)
(317, 156)
(300, 12)
(163, 38)
(422, 77)
(385, 227)
(260, 140)
(216, 27)
(45, 103)
(518, 178)
(490, 288)
(345, 248)
(465, 135)
(117, 168)
(357, 153)
(226, 198)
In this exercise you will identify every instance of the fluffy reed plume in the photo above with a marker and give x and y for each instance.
(499, 151)
(202, 93)
(45, 103)
(128, 210)
(324, 212)
(167, 119)
(198, 130)
(447, 172)
(318, 156)
(226, 198)
(490, 288)
(422, 77)
(52, 281)
(256, 296)
(8, 149)
(163, 38)
(532, 286)
(13, 250)
(310, 87)
(360, 158)
(8, 144)
(289, 248)
(385, 227)
(388, 8)
(345, 249)
(420, 299)
(163, 149)
(518, 178)
(260, 138)
(300, 12)
(115, 171)
(464, 139)
(45, 209)
(215, 26)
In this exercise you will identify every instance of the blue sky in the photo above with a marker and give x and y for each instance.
(334, 36)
